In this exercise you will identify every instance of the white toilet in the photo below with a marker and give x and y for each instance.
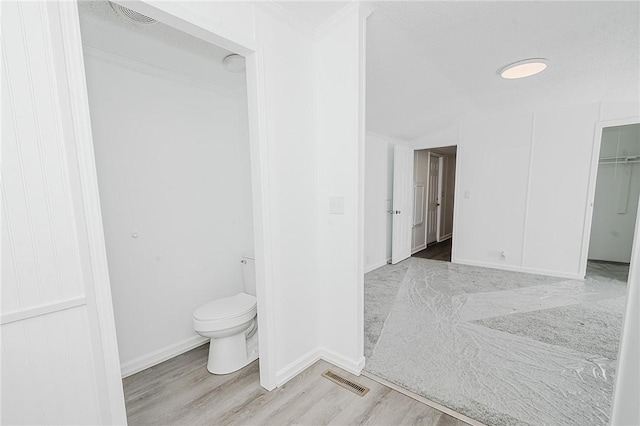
(231, 324)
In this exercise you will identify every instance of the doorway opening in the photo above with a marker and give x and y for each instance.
(615, 202)
(173, 139)
(434, 172)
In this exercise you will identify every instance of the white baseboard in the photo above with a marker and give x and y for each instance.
(307, 360)
(156, 357)
(517, 268)
(296, 367)
(445, 238)
(374, 266)
(350, 365)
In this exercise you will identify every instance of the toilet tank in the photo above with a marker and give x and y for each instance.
(249, 273)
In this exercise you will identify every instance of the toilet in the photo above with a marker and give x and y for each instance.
(231, 324)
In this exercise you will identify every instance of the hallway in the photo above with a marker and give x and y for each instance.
(436, 251)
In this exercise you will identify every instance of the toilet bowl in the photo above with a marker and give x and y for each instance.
(231, 324)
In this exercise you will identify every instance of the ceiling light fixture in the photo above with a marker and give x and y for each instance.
(234, 63)
(524, 68)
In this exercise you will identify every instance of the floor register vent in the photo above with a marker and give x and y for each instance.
(345, 383)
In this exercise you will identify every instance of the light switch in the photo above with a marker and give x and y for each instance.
(467, 194)
(336, 205)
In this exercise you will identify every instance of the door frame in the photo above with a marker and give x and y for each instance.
(593, 176)
(174, 15)
(426, 205)
(439, 210)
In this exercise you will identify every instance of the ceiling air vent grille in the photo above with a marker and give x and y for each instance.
(346, 383)
(132, 15)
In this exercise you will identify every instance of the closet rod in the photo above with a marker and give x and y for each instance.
(622, 158)
(620, 163)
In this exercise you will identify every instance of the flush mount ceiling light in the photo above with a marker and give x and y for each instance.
(524, 68)
(234, 63)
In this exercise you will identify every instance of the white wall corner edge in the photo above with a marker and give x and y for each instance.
(296, 367)
(516, 268)
(156, 357)
(353, 366)
(307, 360)
(624, 407)
(374, 266)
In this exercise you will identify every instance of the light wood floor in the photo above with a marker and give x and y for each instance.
(181, 391)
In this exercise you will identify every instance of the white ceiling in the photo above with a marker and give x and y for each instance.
(314, 13)
(155, 44)
(430, 64)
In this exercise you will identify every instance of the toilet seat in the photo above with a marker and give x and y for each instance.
(225, 313)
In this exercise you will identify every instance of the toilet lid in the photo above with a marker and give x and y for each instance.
(225, 308)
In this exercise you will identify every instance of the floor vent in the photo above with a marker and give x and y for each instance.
(345, 383)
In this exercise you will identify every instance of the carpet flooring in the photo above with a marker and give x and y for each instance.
(504, 348)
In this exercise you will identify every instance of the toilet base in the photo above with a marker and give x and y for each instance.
(229, 354)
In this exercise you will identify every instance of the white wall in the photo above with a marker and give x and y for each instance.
(625, 408)
(81, 393)
(57, 354)
(562, 144)
(522, 162)
(289, 56)
(493, 157)
(523, 187)
(290, 125)
(616, 199)
(340, 143)
(287, 59)
(173, 163)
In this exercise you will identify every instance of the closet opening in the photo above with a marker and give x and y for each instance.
(615, 201)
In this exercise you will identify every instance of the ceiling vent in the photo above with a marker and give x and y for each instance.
(132, 15)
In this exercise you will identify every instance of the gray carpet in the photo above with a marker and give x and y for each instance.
(380, 293)
(500, 347)
(587, 327)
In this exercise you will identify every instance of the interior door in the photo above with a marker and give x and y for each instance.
(402, 203)
(433, 198)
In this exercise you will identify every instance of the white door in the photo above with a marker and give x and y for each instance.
(402, 203)
(433, 198)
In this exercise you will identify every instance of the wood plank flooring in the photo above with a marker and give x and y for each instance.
(181, 391)
(436, 251)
